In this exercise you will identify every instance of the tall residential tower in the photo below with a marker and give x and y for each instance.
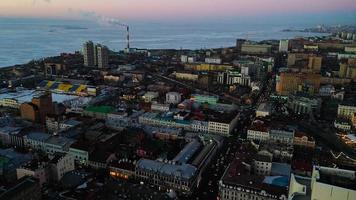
(88, 53)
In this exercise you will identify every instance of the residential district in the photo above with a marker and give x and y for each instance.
(257, 121)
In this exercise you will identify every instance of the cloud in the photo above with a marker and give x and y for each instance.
(93, 16)
(35, 1)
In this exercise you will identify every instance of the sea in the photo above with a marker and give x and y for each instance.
(22, 40)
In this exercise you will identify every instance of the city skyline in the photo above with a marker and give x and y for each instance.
(174, 10)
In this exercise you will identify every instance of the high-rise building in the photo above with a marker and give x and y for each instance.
(102, 56)
(315, 63)
(96, 54)
(283, 45)
(239, 43)
(348, 70)
(88, 53)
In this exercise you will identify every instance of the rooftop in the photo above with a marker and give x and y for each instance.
(100, 109)
(259, 125)
(337, 177)
(264, 107)
(187, 152)
(238, 175)
(10, 130)
(60, 141)
(14, 159)
(22, 185)
(185, 171)
(72, 122)
(57, 157)
(38, 136)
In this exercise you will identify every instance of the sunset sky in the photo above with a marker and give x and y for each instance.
(170, 9)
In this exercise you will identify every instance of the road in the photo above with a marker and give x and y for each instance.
(209, 188)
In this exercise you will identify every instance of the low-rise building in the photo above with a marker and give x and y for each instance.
(10, 103)
(346, 111)
(160, 107)
(149, 96)
(282, 134)
(353, 120)
(204, 98)
(200, 126)
(11, 136)
(57, 144)
(256, 48)
(186, 76)
(343, 124)
(304, 105)
(179, 177)
(98, 112)
(25, 188)
(173, 98)
(36, 140)
(117, 120)
(183, 171)
(36, 169)
(301, 139)
(258, 131)
(254, 176)
(213, 60)
(159, 120)
(264, 110)
(326, 183)
(327, 90)
(80, 152)
(54, 124)
(60, 164)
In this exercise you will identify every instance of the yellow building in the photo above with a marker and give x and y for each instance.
(346, 111)
(293, 58)
(311, 47)
(350, 49)
(256, 48)
(348, 70)
(292, 82)
(210, 67)
(186, 76)
(343, 70)
(351, 72)
(315, 64)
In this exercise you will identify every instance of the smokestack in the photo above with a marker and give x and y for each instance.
(128, 37)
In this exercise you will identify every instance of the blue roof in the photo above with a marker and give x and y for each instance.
(74, 88)
(282, 169)
(185, 171)
(43, 84)
(187, 152)
(60, 141)
(15, 159)
(281, 181)
(72, 122)
(38, 136)
(54, 86)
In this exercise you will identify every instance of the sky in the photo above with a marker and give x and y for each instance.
(176, 9)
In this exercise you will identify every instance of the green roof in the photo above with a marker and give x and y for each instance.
(100, 109)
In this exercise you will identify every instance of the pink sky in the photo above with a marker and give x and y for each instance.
(166, 9)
